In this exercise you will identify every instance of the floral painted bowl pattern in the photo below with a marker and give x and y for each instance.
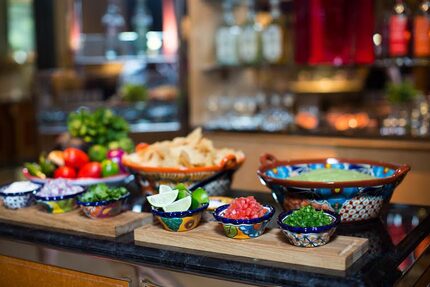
(180, 221)
(308, 236)
(58, 204)
(18, 199)
(353, 200)
(103, 209)
(243, 228)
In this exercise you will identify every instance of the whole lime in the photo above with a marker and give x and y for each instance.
(97, 153)
(199, 197)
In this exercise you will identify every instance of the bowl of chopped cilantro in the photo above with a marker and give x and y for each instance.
(307, 226)
(102, 201)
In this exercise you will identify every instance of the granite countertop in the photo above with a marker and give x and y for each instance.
(393, 242)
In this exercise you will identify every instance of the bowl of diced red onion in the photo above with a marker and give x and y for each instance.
(58, 195)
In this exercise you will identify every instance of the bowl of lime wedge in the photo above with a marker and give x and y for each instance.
(178, 209)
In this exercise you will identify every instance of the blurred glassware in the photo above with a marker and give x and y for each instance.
(397, 121)
(114, 22)
(142, 21)
(249, 38)
(245, 117)
(420, 117)
(278, 116)
(226, 38)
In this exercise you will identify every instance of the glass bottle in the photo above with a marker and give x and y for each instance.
(274, 36)
(141, 21)
(422, 30)
(113, 22)
(398, 31)
(227, 37)
(249, 38)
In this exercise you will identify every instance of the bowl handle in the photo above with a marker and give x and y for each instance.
(228, 162)
(267, 158)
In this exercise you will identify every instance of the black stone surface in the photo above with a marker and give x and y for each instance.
(392, 239)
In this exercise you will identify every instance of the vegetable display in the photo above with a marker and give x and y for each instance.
(307, 216)
(101, 127)
(102, 192)
(58, 187)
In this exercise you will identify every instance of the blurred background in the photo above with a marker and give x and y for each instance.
(305, 77)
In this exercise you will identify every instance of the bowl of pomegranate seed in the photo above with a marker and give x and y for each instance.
(244, 217)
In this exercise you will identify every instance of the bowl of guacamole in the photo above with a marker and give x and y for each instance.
(356, 189)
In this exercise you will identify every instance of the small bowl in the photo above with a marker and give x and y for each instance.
(17, 199)
(103, 208)
(58, 204)
(243, 228)
(308, 236)
(180, 221)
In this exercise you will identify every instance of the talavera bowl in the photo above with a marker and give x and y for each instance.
(352, 200)
(243, 228)
(181, 220)
(308, 236)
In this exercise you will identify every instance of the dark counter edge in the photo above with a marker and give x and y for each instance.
(176, 261)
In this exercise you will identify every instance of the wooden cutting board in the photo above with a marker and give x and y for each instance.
(74, 221)
(271, 248)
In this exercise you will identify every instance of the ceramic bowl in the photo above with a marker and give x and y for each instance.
(17, 199)
(180, 221)
(243, 228)
(58, 204)
(352, 200)
(103, 208)
(308, 236)
(153, 177)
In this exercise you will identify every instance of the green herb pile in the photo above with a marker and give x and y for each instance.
(99, 127)
(101, 192)
(307, 217)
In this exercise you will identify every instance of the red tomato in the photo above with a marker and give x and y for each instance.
(65, 172)
(91, 169)
(75, 158)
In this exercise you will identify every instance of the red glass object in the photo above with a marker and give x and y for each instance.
(335, 32)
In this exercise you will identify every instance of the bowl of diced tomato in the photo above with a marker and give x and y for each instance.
(244, 217)
(99, 165)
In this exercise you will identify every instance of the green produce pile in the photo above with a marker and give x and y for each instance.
(100, 127)
(101, 192)
(43, 168)
(307, 217)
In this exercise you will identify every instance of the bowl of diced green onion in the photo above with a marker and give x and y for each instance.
(307, 226)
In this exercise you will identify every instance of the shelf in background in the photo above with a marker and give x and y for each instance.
(99, 60)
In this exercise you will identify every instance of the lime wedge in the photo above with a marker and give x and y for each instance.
(162, 199)
(179, 205)
(164, 188)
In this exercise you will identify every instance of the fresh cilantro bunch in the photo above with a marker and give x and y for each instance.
(101, 192)
(99, 127)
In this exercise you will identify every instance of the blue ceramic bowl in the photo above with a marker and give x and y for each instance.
(308, 236)
(103, 208)
(58, 204)
(352, 200)
(243, 228)
(17, 199)
(180, 221)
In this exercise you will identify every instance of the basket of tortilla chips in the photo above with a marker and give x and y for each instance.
(188, 160)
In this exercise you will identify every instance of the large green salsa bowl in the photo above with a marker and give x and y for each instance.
(354, 200)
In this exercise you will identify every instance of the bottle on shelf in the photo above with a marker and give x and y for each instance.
(274, 36)
(399, 34)
(142, 21)
(226, 39)
(422, 30)
(249, 44)
(114, 22)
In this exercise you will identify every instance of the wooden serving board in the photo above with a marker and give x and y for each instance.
(271, 248)
(74, 221)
